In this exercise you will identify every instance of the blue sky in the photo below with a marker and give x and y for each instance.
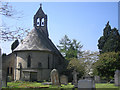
(83, 21)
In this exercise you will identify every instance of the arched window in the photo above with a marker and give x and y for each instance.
(38, 22)
(7, 70)
(11, 70)
(42, 22)
(39, 65)
(29, 61)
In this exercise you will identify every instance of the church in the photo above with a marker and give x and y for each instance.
(35, 57)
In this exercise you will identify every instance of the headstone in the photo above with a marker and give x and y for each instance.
(75, 78)
(0, 70)
(117, 78)
(54, 77)
(97, 79)
(87, 84)
(64, 79)
(4, 73)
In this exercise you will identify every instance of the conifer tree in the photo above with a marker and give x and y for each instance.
(110, 41)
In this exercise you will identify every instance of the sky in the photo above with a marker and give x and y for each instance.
(83, 21)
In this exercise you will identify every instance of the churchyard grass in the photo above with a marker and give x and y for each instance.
(22, 84)
(105, 85)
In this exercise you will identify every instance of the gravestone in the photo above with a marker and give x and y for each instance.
(0, 70)
(87, 84)
(64, 79)
(4, 73)
(54, 77)
(75, 78)
(97, 79)
(117, 78)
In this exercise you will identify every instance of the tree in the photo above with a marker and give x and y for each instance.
(109, 59)
(64, 45)
(6, 33)
(75, 64)
(107, 64)
(110, 41)
(88, 59)
(70, 48)
(6, 10)
(14, 45)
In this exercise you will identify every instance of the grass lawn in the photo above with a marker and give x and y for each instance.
(34, 85)
(20, 84)
(105, 85)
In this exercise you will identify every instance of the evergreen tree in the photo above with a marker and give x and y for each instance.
(109, 58)
(110, 41)
(14, 45)
(70, 48)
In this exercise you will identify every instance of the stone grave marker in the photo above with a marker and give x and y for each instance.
(64, 79)
(54, 77)
(4, 74)
(97, 79)
(86, 84)
(117, 78)
(75, 78)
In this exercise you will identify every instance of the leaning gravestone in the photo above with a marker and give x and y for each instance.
(64, 79)
(54, 77)
(0, 70)
(86, 84)
(97, 79)
(117, 78)
(75, 78)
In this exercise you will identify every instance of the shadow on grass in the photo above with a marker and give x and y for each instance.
(59, 89)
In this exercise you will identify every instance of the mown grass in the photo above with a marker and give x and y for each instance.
(35, 85)
(105, 85)
(20, 84)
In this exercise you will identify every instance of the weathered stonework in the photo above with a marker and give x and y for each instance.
(43, 72)
(64, 79)
(54, 77)
(35, 57)
(117, 78)
(8, 65)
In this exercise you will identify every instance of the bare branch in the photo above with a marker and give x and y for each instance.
(6, 33)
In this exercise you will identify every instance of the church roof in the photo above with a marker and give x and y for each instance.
(36, 40)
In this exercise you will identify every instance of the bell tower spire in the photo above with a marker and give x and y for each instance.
(40, 21)
(40, 5)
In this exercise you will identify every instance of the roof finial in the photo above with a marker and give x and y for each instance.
(40, 5)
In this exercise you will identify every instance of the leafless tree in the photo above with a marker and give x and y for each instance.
(6, 34)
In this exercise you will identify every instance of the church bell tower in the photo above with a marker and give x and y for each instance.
(40, 21)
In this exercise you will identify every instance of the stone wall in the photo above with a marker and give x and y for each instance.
(48, 62)
(8, 64)
(36, 57)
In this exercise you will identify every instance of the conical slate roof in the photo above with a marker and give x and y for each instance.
(36, 40)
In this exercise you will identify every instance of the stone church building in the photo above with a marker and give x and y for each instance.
(35, 57)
